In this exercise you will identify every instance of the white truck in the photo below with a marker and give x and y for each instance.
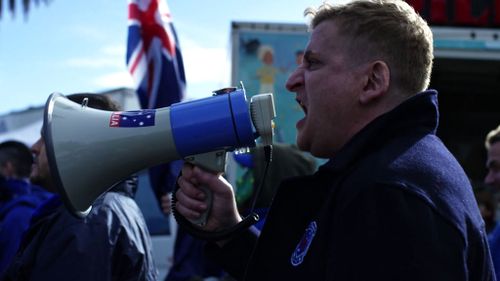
(466, 74)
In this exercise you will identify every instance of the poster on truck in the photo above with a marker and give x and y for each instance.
(263, 57)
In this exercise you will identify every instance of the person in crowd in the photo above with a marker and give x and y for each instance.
(492, 144)
(189, 261)
(18, 197)
(487, 203)
(391, 203)
(111, 243)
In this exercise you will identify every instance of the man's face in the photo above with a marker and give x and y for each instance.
(40, 172)
(327, 85)
(493, 165)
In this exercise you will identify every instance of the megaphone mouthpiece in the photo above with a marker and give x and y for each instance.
(263, 113)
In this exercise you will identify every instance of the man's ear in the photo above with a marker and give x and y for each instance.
(8, 170)
(376, 81)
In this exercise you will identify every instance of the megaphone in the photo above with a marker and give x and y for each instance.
(90, 150)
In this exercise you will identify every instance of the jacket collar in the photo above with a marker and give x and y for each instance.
(14, 187)
(418, 114)
(128, 186)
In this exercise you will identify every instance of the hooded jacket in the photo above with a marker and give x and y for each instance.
(18, 201)
(111, 243)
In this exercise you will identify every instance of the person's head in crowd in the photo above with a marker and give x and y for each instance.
(360, 62)
(40, 173)
(487, 204)
(15, 160)
(492, 144)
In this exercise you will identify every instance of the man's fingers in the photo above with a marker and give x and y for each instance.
(187, 170)
(190, 189)
(187, 213)
(190, 202)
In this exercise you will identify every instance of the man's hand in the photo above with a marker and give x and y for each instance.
(190, 198)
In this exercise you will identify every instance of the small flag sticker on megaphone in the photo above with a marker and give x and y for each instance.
(131, 119)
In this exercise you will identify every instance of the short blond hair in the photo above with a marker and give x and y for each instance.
(492, 137)
(388, 30)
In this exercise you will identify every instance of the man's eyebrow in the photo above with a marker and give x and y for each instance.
(308, 54)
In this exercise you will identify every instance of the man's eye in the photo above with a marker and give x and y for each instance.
(311, 63)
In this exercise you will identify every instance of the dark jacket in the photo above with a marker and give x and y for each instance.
(393, 204)
(111, 243)
(18, 200)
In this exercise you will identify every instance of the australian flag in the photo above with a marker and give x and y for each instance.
(155, 62)
(131, 119)
(153, 55)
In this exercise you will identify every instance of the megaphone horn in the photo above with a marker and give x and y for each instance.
(90, 150)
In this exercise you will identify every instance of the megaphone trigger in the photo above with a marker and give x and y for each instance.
(215, 162)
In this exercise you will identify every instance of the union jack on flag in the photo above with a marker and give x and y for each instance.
(155, 62)
(153, 55)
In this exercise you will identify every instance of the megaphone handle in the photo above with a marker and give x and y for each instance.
(207, 235)
(226, 233)
(202, 220)
(214, 161)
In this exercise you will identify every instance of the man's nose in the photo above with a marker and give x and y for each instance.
(296, 80)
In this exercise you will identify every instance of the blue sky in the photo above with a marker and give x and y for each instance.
(79, 45)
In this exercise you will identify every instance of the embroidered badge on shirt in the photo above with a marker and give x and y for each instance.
(301, 249)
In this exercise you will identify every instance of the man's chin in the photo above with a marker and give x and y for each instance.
(41, 181)
(34, 179)
(302, 144)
